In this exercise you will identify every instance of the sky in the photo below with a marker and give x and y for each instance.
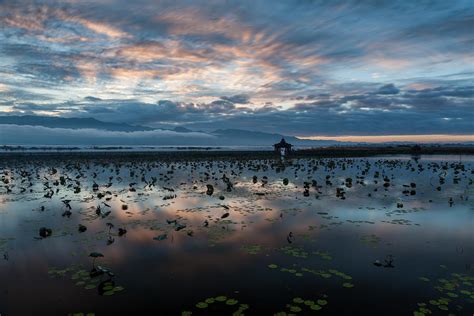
(303, 68)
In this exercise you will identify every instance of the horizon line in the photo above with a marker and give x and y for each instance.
(426, 138)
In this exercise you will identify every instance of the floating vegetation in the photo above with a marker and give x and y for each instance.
(292, 223)
(161, 237)
(400, 222)
(370, 239)
(45, 232)
(89, 280)
(295, 251)
(323, 255)
(251, 249)
(202, 305)
(220, 303)
(454, 291)
(300, 305)
(301, 271)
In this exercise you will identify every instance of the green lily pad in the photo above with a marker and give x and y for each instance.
(298, 300)
(272, 266)
(322, 302)
(221, 298)
(315, 307)
(295, 309)
(231, 301)
(201, 305)
(348, 285)
(90, 286)
(109, 293)
(209, 300)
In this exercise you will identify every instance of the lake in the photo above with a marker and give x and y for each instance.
(362, 236)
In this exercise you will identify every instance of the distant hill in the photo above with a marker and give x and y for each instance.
(46, 130)
(72, 123)
(180, 129)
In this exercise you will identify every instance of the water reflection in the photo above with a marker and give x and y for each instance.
(335, 237)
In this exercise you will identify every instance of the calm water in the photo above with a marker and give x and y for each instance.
(260, 248)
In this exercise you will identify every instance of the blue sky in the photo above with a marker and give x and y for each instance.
(306, 68)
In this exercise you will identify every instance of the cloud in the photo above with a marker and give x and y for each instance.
(438, 110)
(388, 89)
(327, 67)
(237, 99)
(92, 99)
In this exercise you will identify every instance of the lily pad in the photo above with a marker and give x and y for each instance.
(315, 307)
(295, 309)
(201, 305)
(231, 301)
(298, 300)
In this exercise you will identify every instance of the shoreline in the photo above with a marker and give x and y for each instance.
(322, 152)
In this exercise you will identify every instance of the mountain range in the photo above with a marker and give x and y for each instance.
(46, 130)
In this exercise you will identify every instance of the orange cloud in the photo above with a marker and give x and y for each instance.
(169, 49)
(88, 70)
(195, 22)
(420, 86)
(102, 28)
(30, 18)
(134, 74)
(97, 27)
